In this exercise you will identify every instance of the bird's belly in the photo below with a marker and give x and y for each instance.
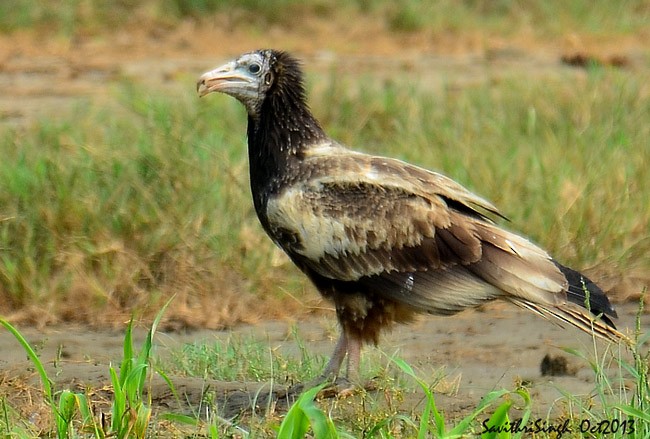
(359, 311)
(368, 315)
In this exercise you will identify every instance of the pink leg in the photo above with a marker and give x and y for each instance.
(334, 365)
(354, 359)
(346, 345)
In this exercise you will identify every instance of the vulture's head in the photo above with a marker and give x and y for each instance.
(253, 77)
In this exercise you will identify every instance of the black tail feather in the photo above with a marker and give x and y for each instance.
(579, 285)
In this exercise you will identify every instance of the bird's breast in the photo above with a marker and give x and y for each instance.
(312, 233)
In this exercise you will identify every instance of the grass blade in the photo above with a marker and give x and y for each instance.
(633, 411)
(67, 403)
(303, 414)
(33, 357)
(497, 422)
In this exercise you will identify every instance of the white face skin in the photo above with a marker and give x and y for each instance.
(247, 79)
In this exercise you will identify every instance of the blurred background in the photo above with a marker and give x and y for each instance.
(119, 188)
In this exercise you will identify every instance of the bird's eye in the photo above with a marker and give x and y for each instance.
(254, 68)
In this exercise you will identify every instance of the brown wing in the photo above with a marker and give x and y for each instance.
(410, 234)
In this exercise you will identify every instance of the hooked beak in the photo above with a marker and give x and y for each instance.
(225, 79)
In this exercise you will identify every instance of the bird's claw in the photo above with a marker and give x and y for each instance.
(332, 387)
(340, 387)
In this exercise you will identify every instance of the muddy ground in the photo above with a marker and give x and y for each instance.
(483, 350)
(496, 347)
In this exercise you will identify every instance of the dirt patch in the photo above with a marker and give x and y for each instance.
(496, 347)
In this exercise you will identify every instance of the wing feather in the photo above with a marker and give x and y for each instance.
(387, 224)
(442, 292)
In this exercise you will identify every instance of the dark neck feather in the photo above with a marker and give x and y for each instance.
(282, 130)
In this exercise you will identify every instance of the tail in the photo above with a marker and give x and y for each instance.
(582, 291)
(585, 293)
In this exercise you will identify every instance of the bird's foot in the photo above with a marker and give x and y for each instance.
(341, 387)
(333, 387)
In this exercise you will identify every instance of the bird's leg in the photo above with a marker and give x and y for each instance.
(334, 365)
(331, 372)
(354, 359)
(349, 345)
(332, 369)
(345, 385)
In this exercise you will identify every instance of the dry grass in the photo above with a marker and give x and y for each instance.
(127, 201)
(124, 208)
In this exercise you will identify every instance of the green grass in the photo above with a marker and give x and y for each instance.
(245, 359)
(619, 394)
(508, 17)
(72, 412)
(128, 204)
(503, 17)
(617, 406)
